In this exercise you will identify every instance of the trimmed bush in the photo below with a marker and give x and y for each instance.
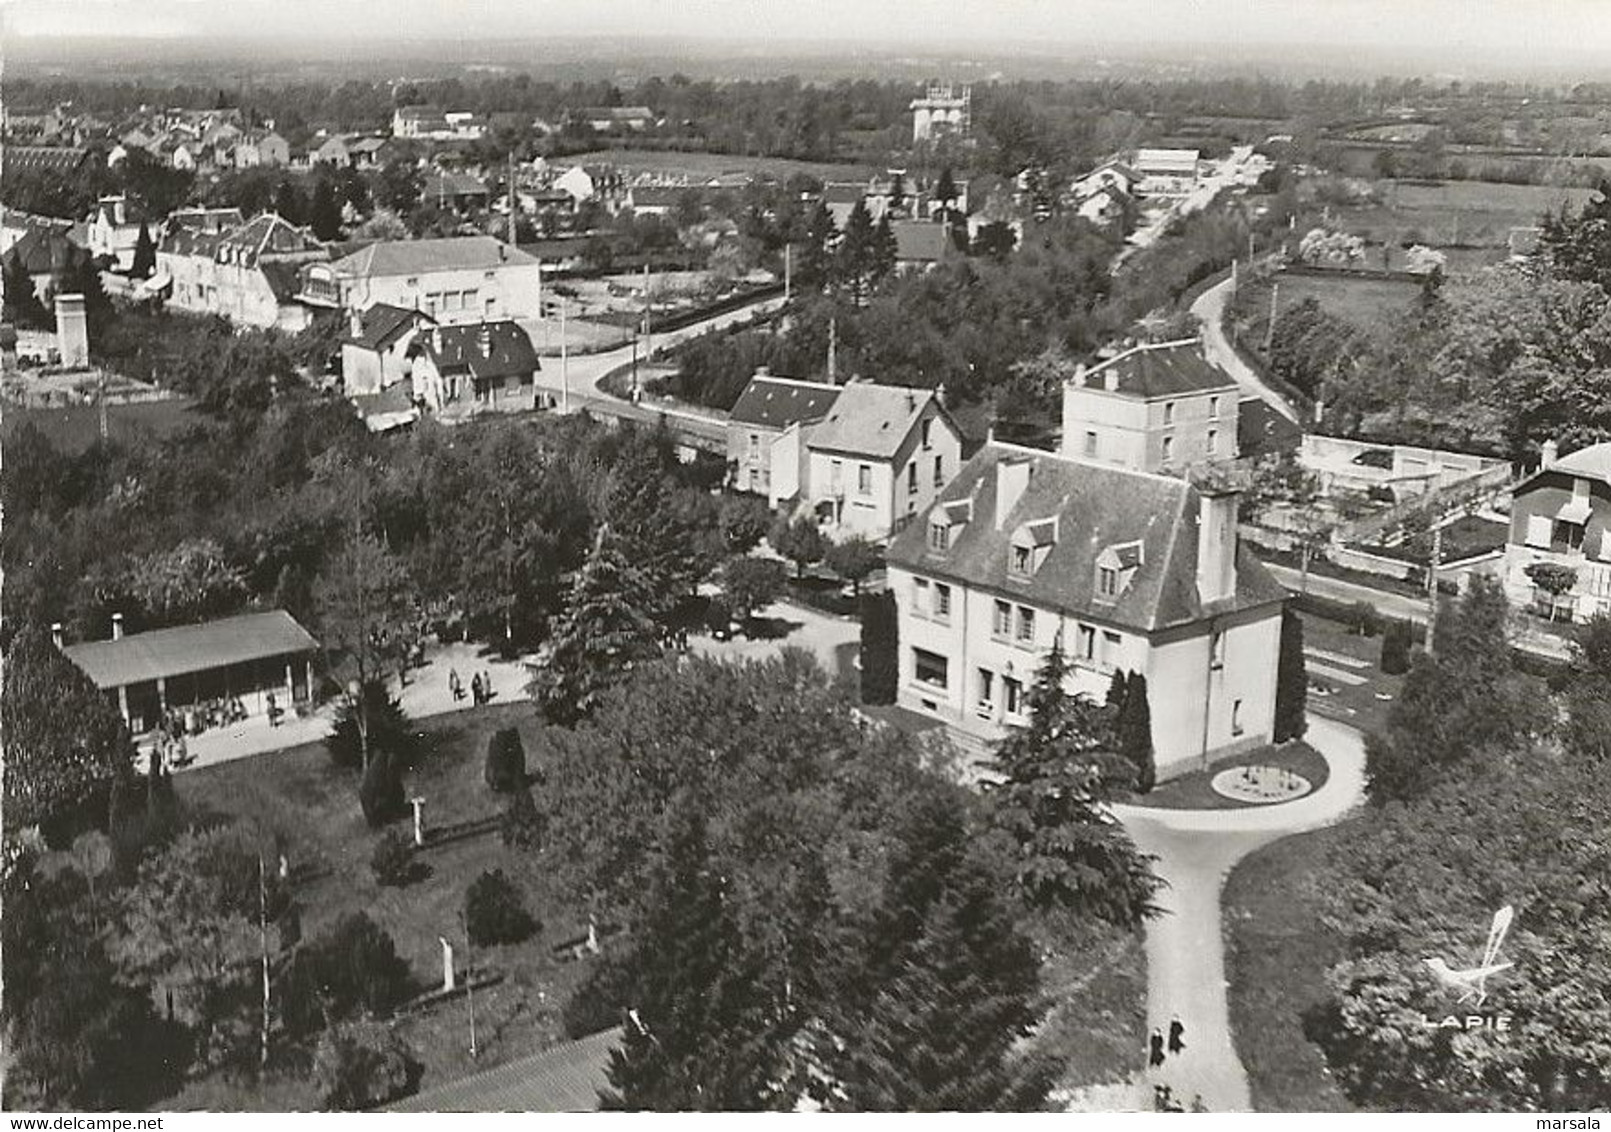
(1365, 620)
(381, 791)
(880, 649)
(506, 761)
(523, 823)
(352, 967)
(494, 912)
(393, 860)
(360, 1065)
(1395, 660)
(1291, 681)
(389, 729)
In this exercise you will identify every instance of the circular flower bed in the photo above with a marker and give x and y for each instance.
(1260, 785)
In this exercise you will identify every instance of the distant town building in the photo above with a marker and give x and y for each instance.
(614, 119)
(1560, 518)
(922, 245)
(453, 191)
(456, 279)
(248, 274)
(1167, 172)
(602, 183)
(114, 230)
(1130, 571)
(942, 112)
(1153, 408)
(431, 122)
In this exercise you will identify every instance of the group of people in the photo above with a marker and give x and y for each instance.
(193, 720)
(1158, 1048)
(480, 687)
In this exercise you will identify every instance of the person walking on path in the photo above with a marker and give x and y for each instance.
(1177, 1035)
(1155, 1057)
(455, 685)
(475, 688)
(486, 686)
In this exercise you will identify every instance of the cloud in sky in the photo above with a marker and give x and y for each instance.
(1524, 27)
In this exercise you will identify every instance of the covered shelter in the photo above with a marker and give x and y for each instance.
(247, 657)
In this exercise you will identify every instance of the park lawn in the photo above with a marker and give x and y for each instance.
(76, 427)
(1461, 213)
(1195, 791)
(300, 792)
(1354, 704)
(700, 166)
(1277, 952)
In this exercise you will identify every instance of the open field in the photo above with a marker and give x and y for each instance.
(709, 166)
(1478, 213)
(300, 792)
(75, 428)
(1277, 952)
(1366, 303)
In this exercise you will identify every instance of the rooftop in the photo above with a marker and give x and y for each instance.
(778, 402)
(1161, 369)
(420, 257)
(920, 241)
(382, 325)
(1593, 462)
(484, 350)
(564, 1078)
(164, 653)
(870, 420)
(1098, 508)
(45, 158)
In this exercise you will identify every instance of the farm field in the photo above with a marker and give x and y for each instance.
(76, 427)
(1479, 213)
(708, 166)
(1365, 303)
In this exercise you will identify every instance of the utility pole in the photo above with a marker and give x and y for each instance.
(564, 360)
(512, 241)
(788, 272)
(262, 928)
(648, 313)
(1275, 303)
(469, 981)
(1432, 586)
(833, 351)
(100, 403)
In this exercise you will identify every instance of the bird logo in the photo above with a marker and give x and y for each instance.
(1472, 982)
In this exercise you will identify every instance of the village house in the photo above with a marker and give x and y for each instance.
(332, 151)
(921, 245)
(435, 124)
(602, 183)
(1558, 557)
(1106, 207)
(47, 255)
(114, 230)
(474, 368)
(454, 192)
(1166, 172)
(1130, 571)
(657, 200)
(1157, 407)
(248, 274)
(375, 348)
(614, 119)
(262, 149)
(455, 279)
(768, 407)
(1113, 176)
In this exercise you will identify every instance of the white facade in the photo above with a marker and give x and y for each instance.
(871, 494)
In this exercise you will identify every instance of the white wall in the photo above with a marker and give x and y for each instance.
(514, 291)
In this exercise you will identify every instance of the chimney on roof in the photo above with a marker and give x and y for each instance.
(436, 339)
(763, 371)
(1216, 542)
(1012, 477)
(911, 401)
(503, 253)
(357, 323)
(1079, 374)
(1549, 454)
(117, 626)
(56, 633)
(939, 394)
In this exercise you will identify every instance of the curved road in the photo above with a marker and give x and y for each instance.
(1210, 311)
(1195, 850)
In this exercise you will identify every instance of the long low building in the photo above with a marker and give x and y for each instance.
(246, 657)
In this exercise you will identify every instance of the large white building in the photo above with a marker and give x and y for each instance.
(942, 111)
(247, 273)
(1134, 571)
(1560, 517)
(1167, 172)
(454, 280)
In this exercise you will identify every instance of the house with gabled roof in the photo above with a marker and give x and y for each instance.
(1130, 571)
(1560, 525)
(768, 408)
(114, 229)
(454, 279)
(1155, 407)
(474, 368)
(249, 274)
(375, 348)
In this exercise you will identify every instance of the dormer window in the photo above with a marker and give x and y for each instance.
(1020, 560)
(1031, 543)
(1107, 581)
(939, 536)
(1116, 567)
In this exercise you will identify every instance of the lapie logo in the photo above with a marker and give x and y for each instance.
(1472, 982)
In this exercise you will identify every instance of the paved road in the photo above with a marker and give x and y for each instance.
(1210, 310)
(1185, 950)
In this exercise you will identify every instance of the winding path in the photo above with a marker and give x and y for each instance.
(1195, 851)
(1209, 308)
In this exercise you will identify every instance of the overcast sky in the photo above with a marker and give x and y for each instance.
(1523, 27)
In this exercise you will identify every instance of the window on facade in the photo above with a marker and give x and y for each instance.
(1213, 408)
(755, 479)
(413, 281)
(1568, 536)
(1168, 448)
(927, 426)
(1020, 559)
(1003, 619)
(1026, 623)
(1090, 444)
(1538, 531)
(836, 475)
(1213, 442)
(755, 444)
(929, 668)
(920, 595)
(1087, 643)
(1169, 412)
(1107, 581)
(1216, 649)
(942, 600)
(911, 478)
(1012, 692)
(1236, 718)
(864, 479)
(939, 471)
(939, 537)
(987, 688)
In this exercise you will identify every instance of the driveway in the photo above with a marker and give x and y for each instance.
(1195, 850)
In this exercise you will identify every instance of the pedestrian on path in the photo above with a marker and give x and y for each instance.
(486, 685)
(455, 685)
(1156, 1057)
(1160, 1098)
(475, 688)
(1197, 1104)
(1177, 1035)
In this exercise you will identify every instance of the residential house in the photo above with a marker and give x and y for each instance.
(1166, 172)
(332, 151)
(454, 191)
(474, 368)
(841, 197)
(46, 255)
(921, 245)
(878, 458)
(249, 274)
(213, 220)
(1109, 176)
(1159, 407)
(1130, 571)
(114, 230)
(658, 200)
(1106, 207)
(602, 183)
(615, 119)
(767, 409)
(262, 149)
(1561, 517)
(455, 279)
(371, 153)
(184, 155)
(419, 122)
(375, 348)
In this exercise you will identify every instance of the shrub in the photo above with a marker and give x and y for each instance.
(1291, 681)
(880, 644)
(494, 912)
(506, 761)
(523, 824)
(744, 521)
(381, 791)
(1396, 648)
(393, 860)
(1366, 621)
(360, 1065)
(353, 966)
(389, 730)
(750, 584)
(597, 1002)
